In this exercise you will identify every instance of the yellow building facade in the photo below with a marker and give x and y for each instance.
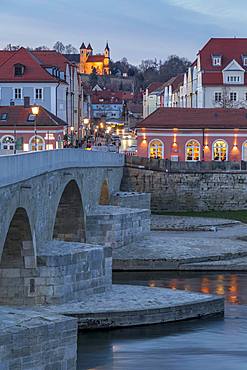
(90, 63)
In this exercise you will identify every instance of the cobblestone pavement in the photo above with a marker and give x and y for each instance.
(171, 250)
(236, 264)
(127, 305)
(126, 298)
(160, 222)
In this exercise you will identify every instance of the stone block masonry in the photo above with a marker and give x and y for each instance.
(131, 200)
(183, 191)
(37, 341)
(65, 272)
(116, 226)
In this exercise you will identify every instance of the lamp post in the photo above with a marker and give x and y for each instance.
(72, 135)
(86, 124)
(35, 112)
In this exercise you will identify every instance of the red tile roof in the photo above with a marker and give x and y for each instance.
(228, 49)
(18, 116)
(34, 63)
(154, 86)
(52, 58)
(187, 118)
(95, 58)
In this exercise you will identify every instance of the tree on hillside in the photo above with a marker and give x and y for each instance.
(70, 49)
(59, 47)
(173, 66)
(11, 47)
(93, 78)
(41, 48)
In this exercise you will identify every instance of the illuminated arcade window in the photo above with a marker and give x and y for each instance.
(244, 151)
(192, 151)
(220, 150)
(37, 143)
(156, 149)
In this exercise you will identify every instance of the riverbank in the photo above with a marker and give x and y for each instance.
(186, 244)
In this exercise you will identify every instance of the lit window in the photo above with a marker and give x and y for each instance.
(217, 96)
(244, 151)
(4, 117)
(156, 149)
(192, 151)
(216, 60)
(220, 150)
(37, 143)
(38, 94)
(233, 96)
(17, 93)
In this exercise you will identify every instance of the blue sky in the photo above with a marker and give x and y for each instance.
(136, 29)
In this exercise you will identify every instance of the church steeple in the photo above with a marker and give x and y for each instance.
(107, 51)
(107, 46)
(83, 46)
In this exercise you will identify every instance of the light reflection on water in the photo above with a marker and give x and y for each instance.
(215, 343)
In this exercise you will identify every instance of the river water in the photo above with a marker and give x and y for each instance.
(207, 344)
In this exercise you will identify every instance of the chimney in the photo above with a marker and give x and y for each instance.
(26, 101)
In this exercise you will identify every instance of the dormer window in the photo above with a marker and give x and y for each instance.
(19, 69)
(244, 57)
(4, 117)
(31, 117)
(216, 60)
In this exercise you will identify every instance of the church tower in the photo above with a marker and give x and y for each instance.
(106, 60)
(83, 57)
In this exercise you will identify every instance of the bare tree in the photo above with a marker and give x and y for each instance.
(59, 47)
(225, 100)
(11, 47)
(70, 49)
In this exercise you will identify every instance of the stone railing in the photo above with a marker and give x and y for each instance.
(182, 166)
(19, 167)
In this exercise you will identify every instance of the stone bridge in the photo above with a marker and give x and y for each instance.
(51, 202)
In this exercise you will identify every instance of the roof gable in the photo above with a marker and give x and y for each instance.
(33, 69)
(233, 66)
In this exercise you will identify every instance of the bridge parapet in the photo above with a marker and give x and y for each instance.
(20, 167)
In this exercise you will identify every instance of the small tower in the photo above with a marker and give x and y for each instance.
(106, 69)
(107, 51)
(83, 57)
(89, 49)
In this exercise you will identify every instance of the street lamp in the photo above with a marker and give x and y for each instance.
(72, 135)
(35, 112)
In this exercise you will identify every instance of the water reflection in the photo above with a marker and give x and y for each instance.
(220, 284)
(215, 343)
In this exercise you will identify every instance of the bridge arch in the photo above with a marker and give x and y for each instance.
(19, 246)
(104, 198)
(69, 224)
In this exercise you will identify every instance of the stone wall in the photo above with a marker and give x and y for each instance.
(179, 191)
(116, 226)
(131, 200)
(35, 341)
(65, 272)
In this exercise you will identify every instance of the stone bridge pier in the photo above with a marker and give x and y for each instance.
(57, 225)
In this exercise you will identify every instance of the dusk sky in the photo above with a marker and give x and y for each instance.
(136, 29)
